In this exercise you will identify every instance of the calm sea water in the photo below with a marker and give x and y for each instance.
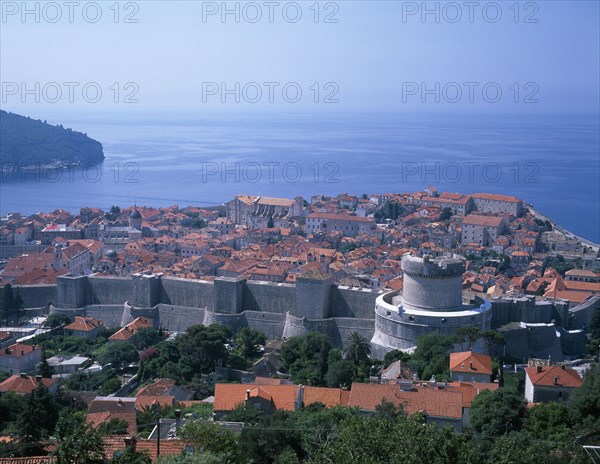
(552, 162)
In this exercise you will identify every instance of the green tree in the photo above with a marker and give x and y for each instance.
(111, 386)
(494, 413)
(56, 320)
(431, 356)
(212, 438)
(11, 406)
(492, 339)
(114, 426)
(395, 355)
(584, 403)
(145, 338)
(77, 442)
(130, 456)
(357, 348)
(44, 369)
(302, 357)
(468, 334)
(341, 372)
(39, 416)
(407, 440)
(446, 214)
(247, 342)
(549, 421)
(116, 354)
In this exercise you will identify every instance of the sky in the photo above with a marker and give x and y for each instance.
(364, 56)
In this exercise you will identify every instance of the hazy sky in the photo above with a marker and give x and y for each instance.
(378, 56)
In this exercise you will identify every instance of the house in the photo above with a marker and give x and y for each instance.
(131, 329)
(470, 366)
(66, 365)
(440, 405)
(165, 387)
(469, 391)
(19, 357)
(85, 327)
(270, 398)
(104, 408)
(23, 384)
(550, 383)
(483, 230)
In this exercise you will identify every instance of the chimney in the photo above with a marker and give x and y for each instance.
(22, 352)
(556, 380)
(248, 394)
(130, 442)
(471, 366)
(23, 375)
(539, 369)
(38, 378)
(178, 418)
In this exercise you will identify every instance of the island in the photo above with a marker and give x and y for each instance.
(27, 143)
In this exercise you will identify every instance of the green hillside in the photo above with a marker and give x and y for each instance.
(25, 141)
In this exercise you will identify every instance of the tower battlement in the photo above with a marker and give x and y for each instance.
(444, 266)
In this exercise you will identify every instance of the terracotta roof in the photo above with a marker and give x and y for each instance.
(328, 396)
(485, 221)
(23, 385)
(340, 217)
(29, 460)
(157, 388)
(471, 362)
(432, 401)
(147, 401)
(99, 418)
(275, 201)
(496, 197)
(130, 329)
(470, 390)
(550, 376)
(228, 396)
(83, 324)
(115, 443)
(18, 350)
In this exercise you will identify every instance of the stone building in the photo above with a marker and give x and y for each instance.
(263, 212)
(497, 204)
(349, 226)
(483, 230)
(550, 383)
(431, 300)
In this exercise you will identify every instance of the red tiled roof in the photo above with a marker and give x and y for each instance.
(115, 443)
(470, 390)
(18, 349)
(157, 388)
(83, 324)
(471, 362)
(147, 401)
(23, 385)
(328, 396)
(496, 197)
(432, 401)
(99, 418)
(550, 376)
(229, 396)
(485, 221)
(340, 217)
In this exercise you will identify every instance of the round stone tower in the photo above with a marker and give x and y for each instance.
(432, 284)
(431, 300)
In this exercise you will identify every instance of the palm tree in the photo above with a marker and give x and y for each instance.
(357, 348)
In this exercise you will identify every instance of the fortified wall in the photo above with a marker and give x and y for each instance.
(277, 309)
(430, 301)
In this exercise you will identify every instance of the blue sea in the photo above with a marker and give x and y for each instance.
(551, 162)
